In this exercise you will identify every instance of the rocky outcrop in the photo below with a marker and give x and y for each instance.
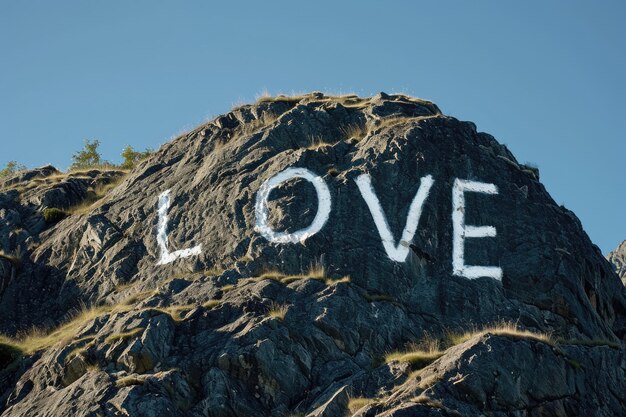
(506, 375)
(31, 203)
(238, 325)
(618, 259)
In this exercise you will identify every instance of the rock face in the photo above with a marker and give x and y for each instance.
(618, 259)
(239, 325)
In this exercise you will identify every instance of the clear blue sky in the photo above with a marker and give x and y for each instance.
(545, 78)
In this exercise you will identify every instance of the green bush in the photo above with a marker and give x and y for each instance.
(53, 214)
(11, 168)
(132, 157)
(88, 157)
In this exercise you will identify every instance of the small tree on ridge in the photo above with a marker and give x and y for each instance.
(87, 157)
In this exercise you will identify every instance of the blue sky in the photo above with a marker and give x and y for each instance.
(545, 78)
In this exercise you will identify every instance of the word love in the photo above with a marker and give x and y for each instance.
(396, 252)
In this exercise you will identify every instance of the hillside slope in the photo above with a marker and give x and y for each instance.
(268, 263)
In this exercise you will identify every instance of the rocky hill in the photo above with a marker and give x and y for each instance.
(618, 259)
(311, 255)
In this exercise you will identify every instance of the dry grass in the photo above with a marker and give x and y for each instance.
(212, 303)
(334, 281)
(503, 328)
(266, 119)
(394, 121)
(429, 381)
(192, 276)
(129, 380)
(272, 275)
(316, 271)
(213, 272)
(355, 131)
(38, 339)
(423, 399)
(123, 286)
(429, 349)
(355, 404)
(139, 296)
(124, 336)
(93, 367)
(14, 259)
(346, 100)
(82, 349)
(418, 354)
(245, 259)
(101, 167)
(278, 311)
(95, 198)
(228, 287)
(177, 312)
(417, 358)
(267, 98)
(317, 142)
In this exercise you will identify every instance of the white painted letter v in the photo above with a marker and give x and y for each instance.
(398, 252)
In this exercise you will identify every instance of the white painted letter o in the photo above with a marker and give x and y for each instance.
(261, 210)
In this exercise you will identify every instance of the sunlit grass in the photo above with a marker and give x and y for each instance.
(278, 311)
(315, 272)
(503, 328)
(356, 403)
(38, 339)
(123, 336)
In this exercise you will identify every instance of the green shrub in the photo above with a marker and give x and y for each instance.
(53, 214)
(88, 157)
(11, 168)
(132, 157)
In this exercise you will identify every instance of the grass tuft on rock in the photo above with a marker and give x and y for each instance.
(95, 197)
(211, 303)
(227, 287)
(278, 311)
(130, 380)
(503, 328)
(418, 358)
(177, 312)
(124, 336)
(418, 355)
(356, 403)
(429, 349)
(38, 339)
(425, 400)
(53, 214)
(315, 272)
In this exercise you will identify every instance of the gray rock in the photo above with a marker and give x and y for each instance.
(245, 328)
(336, 406)
(506, 375)
(618, 259)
